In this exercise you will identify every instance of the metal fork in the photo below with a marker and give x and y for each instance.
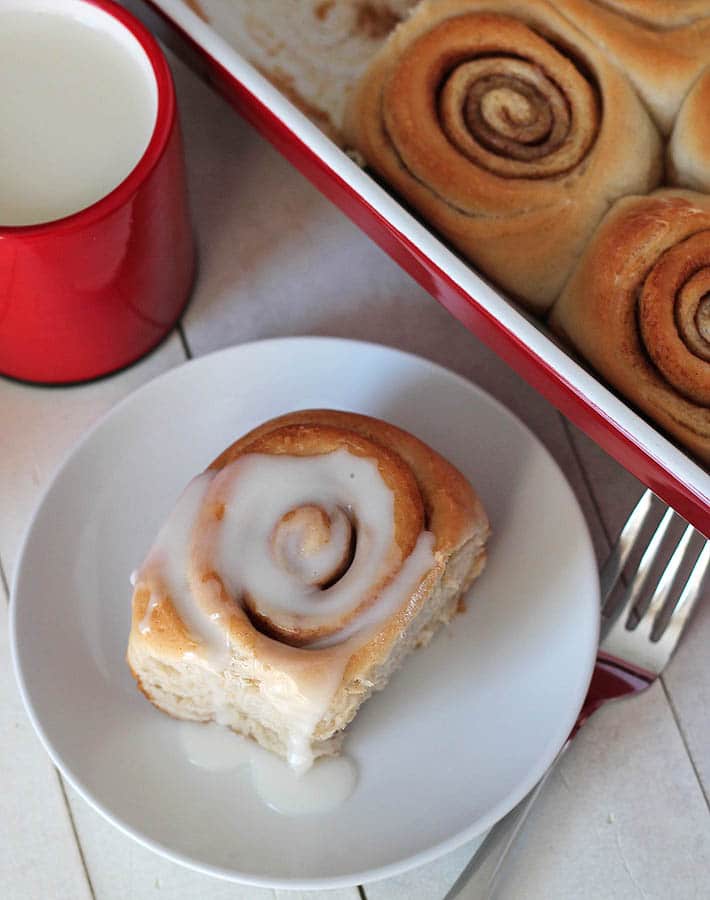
(638, 636)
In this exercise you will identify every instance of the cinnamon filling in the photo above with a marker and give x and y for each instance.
(674, 316)
(514, 118)
(702, 320)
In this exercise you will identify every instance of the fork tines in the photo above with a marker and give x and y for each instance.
(643, 623)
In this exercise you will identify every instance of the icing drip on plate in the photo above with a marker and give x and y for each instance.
(326, 786)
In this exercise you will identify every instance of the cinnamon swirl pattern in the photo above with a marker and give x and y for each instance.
(499, 122)
(662, 46)
(296, 572)
(638, 309)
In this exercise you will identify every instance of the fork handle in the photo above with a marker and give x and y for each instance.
(477, 880)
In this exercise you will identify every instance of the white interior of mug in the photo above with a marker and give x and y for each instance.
(78, 107)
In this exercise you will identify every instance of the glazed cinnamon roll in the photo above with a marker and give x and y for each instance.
(638, 309)
(500, 123)
(689, 146)
(661, 45)
(295, 574)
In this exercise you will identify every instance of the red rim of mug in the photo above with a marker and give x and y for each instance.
(164, 118)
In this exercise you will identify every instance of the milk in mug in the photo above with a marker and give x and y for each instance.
(78, 104)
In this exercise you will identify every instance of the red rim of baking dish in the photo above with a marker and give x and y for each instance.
(164, 119)
(610, 434)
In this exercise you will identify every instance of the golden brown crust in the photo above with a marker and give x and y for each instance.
(689, 146)
(634, 309)
(523, 219)
(662, 46)
(166, 626)
(376, 651)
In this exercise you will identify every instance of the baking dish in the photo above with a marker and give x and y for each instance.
(512, 334)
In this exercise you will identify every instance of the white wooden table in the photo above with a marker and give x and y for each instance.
(626, 814)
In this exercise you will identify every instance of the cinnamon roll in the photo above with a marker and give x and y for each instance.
(689, 146)
(295, 574)
(500, 123)
(638, 309)
(661, 45)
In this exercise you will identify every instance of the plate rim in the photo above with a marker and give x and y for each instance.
(353, 878)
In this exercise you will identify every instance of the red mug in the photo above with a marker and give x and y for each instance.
(89, 293)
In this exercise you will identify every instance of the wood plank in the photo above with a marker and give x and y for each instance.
(687, 680)
(39, 857)
(616, 490)
(622, 816)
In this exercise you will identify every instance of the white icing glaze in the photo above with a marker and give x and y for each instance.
(246, 546)
(312, 545)
(314, 694)
(389, 600)
(325, 786)
(165, 571)
(259, 490)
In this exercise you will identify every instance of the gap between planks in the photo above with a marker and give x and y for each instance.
(681, 732)
(4, 589)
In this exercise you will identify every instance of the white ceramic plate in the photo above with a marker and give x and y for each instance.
(461, 733)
